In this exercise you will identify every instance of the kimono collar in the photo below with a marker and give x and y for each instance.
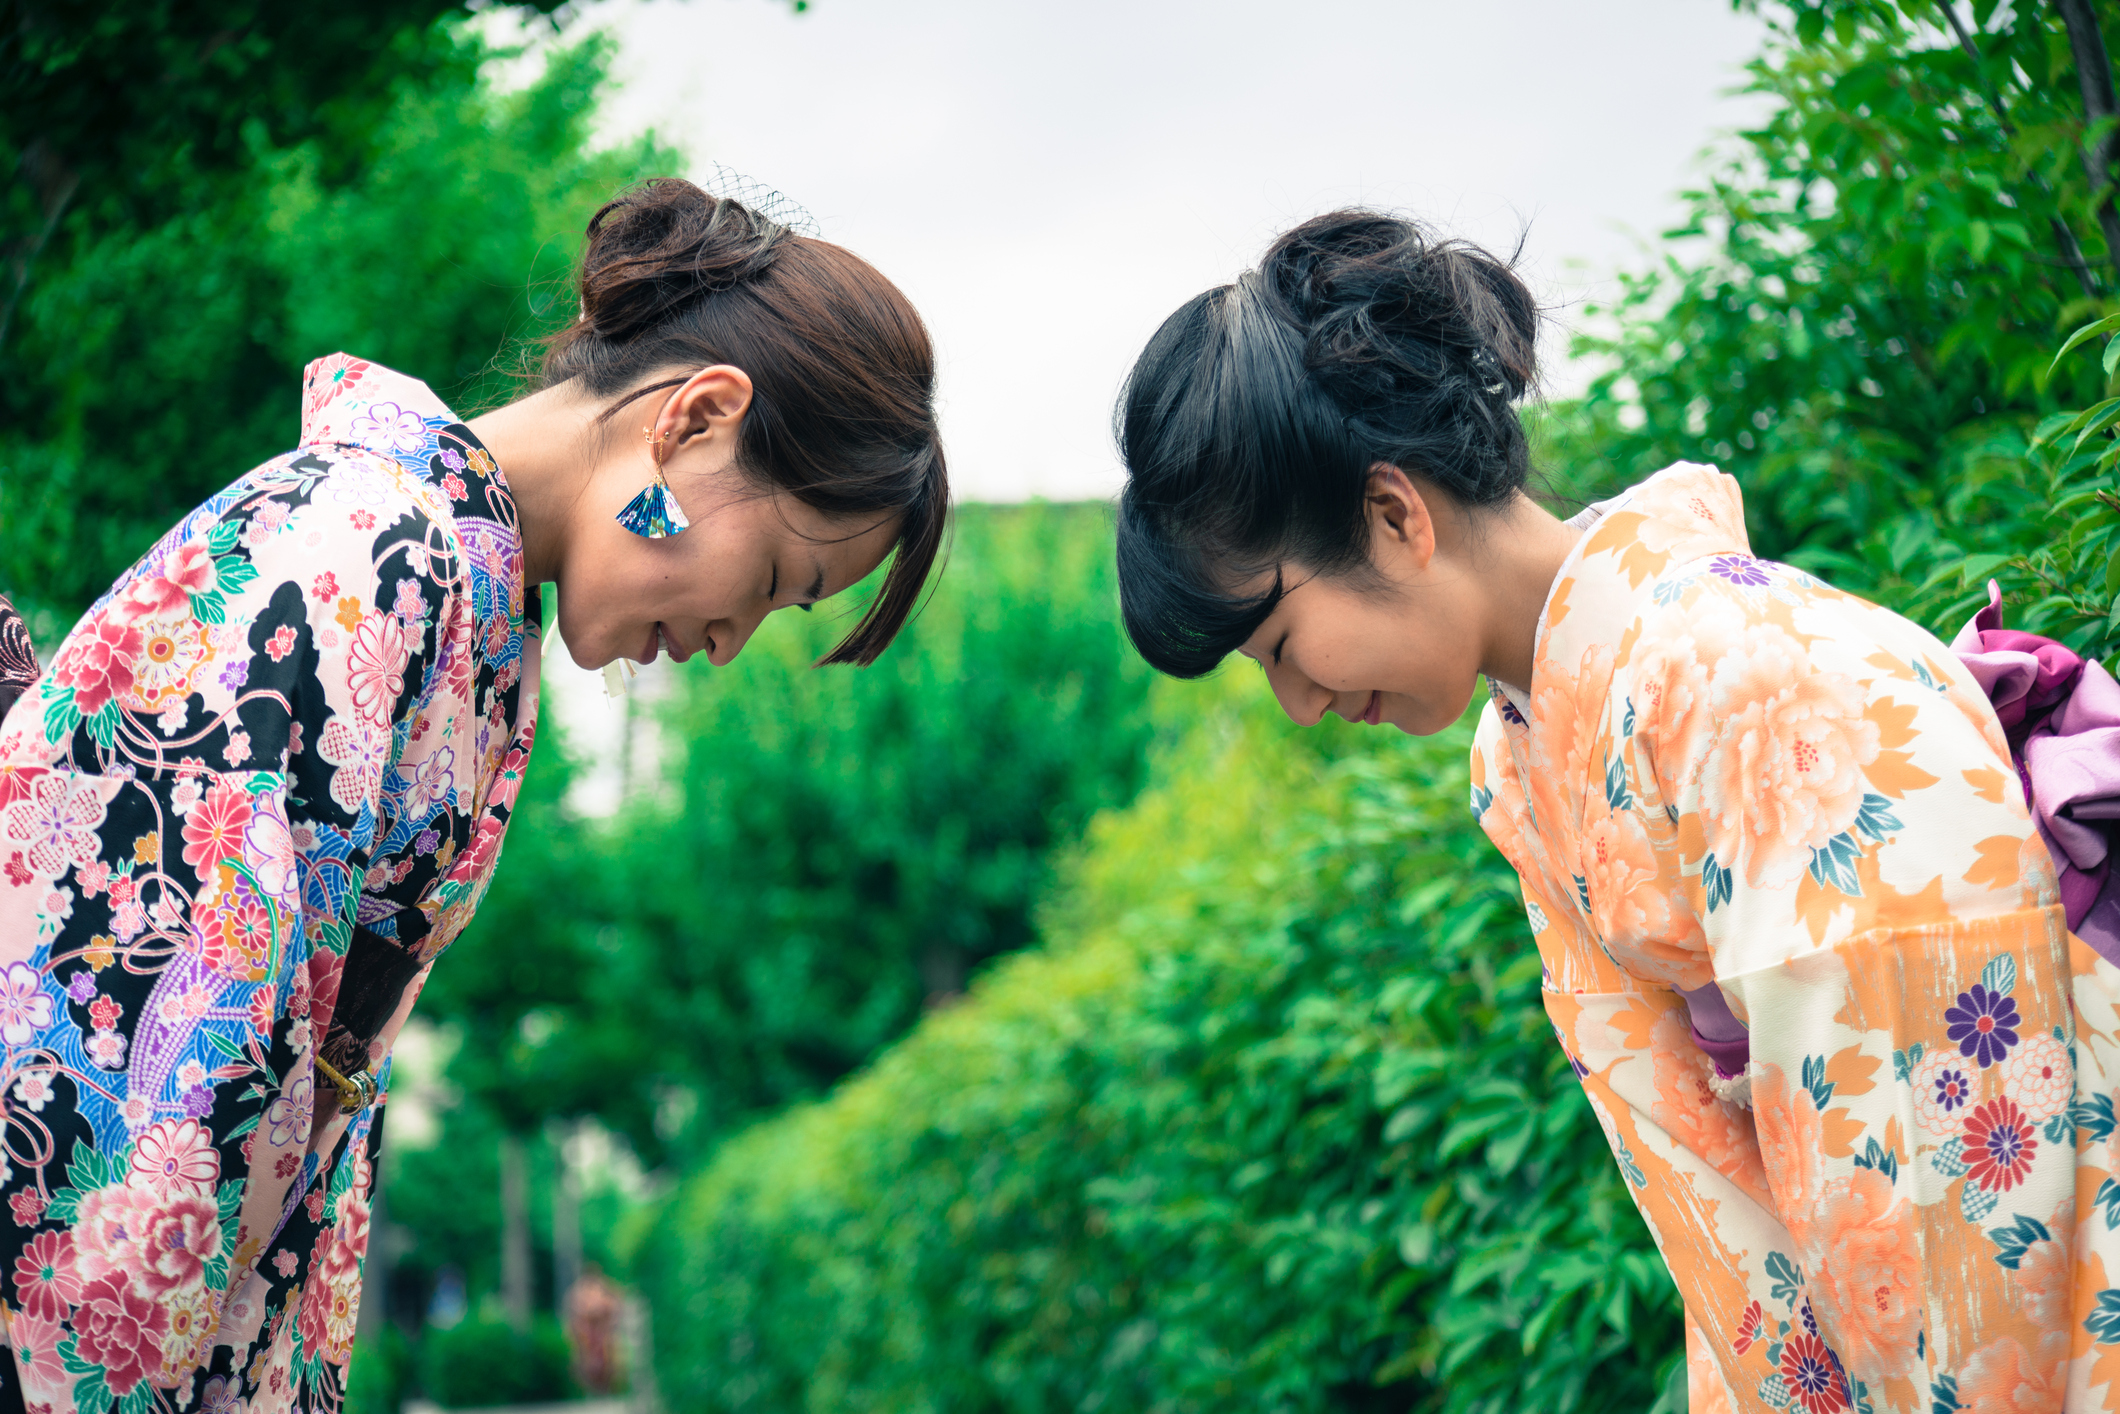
(350, 402)
(1685, 512)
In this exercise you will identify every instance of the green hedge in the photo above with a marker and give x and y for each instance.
(1274, 1121)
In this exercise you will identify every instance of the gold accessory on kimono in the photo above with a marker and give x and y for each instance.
(356, 1092)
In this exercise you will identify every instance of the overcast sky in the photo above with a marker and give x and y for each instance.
(1047, 180)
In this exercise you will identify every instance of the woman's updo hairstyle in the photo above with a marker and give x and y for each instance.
(842, 413)
(1251, 421)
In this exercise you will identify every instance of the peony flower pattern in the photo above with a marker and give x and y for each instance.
(1818, 797)
(188, 805)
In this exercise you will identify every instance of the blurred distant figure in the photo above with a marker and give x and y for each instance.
(593, 1305)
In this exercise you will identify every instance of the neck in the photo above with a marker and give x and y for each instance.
(547, 446)
(1525, 546)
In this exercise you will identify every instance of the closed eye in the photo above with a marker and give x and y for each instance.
(1278, 646)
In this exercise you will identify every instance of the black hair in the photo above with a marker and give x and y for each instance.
(842, 413)
(1250, 423)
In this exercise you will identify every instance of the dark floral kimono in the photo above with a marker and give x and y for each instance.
(256, 791)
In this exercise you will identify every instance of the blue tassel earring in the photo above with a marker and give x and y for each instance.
(654, 513)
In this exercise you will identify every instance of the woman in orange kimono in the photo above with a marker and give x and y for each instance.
(1801, 938)
(262, 785)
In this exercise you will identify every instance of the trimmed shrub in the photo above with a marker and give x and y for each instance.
(1273, 1122)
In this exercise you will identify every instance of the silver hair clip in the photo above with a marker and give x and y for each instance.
(774, 205)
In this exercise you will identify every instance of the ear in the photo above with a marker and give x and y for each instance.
(1400, 526)
(709, 404)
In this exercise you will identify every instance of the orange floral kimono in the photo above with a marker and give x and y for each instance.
(1730, 776)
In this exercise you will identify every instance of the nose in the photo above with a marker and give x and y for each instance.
(1304, 701)
(727, 638)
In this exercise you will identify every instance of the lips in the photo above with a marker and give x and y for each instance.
(1374, 712)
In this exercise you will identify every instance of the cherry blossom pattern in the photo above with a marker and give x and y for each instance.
(400, 430)
(58, 821)
(359, 751)
(25, 1006)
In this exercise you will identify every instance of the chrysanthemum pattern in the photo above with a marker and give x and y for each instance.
(1726, 772)
(2040, 1078)
(1943, 1088)
(310, 706)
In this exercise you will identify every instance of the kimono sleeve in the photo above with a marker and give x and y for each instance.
(1843, 842)
(354, 622)
(289, 637)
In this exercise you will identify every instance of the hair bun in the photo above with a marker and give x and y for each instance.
(1424, 342)
(664, 243)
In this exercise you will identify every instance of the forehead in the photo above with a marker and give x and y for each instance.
(845, 537)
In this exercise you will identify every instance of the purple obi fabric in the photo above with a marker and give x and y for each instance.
(2062, 717)
(1717, 1030)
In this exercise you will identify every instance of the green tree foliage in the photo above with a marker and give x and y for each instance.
(832, 849)
(158, 363)
(1273, 1121)
(1881, 273)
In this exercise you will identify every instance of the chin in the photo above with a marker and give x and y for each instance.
(1425, 718)
(587, 658)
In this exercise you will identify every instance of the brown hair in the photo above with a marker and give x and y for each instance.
(842, 413)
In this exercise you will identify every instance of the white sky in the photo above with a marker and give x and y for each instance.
(1048, 180)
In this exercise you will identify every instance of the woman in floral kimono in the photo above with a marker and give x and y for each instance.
(1801, 938)
(262, 785)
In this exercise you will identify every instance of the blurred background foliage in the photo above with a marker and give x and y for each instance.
(151, 350)
(995, 1029)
